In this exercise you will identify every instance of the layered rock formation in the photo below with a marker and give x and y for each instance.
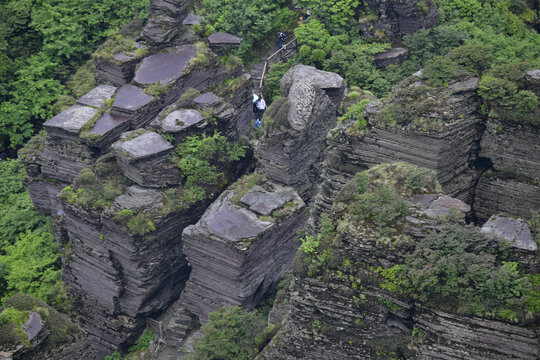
(165, 20)
(242, 246)
(124, 207)
(445, 138)
(296, 127)
(341, 309)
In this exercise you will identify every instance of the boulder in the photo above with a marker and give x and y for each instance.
(133, 104)
(70, 122)
(165, 67)
(97, 96)
(192, 19)
(513, 231)
(164, 20)
(532, 79)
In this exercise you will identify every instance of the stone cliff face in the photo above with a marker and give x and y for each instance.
(118, 217)
(340, 310)
(135, 241)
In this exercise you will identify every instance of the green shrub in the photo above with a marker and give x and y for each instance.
(231, 334)
(459, 269)
(439, 71)
(272, 84)
(473, 57)
(356, 113)
(11, 329)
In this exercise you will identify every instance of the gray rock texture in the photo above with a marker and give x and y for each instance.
(508, 196)
(533, 81)
(396, 18)
(221, 43)
(290, 150)
(133, 104)
(144, 159)
(164, 67)
(69, 122)
(514, 231)
(512, 145)
(164, 20)
(391, 57)
(237, 257)
(97, 96)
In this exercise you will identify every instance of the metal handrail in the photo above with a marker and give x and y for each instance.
(269, 58)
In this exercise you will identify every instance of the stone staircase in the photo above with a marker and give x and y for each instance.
(180, 323)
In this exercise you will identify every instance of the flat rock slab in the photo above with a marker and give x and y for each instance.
(131, 98)
(514, 231)
(224, 38)
(72, 119)
(145, 145)
(164, 67)
(180, 120)
(192, 19)
(138, 198)
(207, 99)
(436, 206)
(97, 96)
(106, 123)
(230, 222)
(33, 326)
(263, 202)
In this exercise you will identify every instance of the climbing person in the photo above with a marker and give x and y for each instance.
(259, 106)
(281, 38)
(308, 14)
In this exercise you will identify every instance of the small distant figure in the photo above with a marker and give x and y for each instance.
(259, 106)
(308, 14)
(281, 38)
(301, 19)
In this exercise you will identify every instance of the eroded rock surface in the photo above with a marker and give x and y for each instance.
(292, 146)
(236, 255)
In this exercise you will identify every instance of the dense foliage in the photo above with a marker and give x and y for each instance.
(29, 258)
(41, 42)
(232, 334)
(460, 269)
(255, 21)
(142, 344)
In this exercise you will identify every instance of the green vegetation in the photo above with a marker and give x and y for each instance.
(41, 43)
(242, 186)
(233, 333)
(142, 344)
(11, 330)
(29, 259)
(373, 204)
(459, 269)
(236, 17)
(96, 186)
(203, 161)
(61, 329)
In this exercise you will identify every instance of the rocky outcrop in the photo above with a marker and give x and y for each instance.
(448, 147)
(241, 247)
(396, 18)
(297, 129)
(460, 337)
(339, 309)
(222, 43)
(391, 57)
(165, 20)
(509, 196)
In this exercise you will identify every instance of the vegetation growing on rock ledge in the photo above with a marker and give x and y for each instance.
(459, 269)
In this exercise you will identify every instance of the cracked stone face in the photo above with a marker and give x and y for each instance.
(97, 96)
(207, 99)
(145, 145)
(302, 98)
(263, 202)
(164, 67)
(180, 120)
(72, 119)
(514, 231)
